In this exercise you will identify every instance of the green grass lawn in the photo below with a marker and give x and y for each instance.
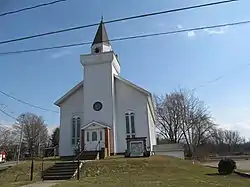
(154, 171)
(20, 174)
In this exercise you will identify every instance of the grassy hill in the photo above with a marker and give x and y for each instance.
(137, 172)
(20, 174)
(154, 171)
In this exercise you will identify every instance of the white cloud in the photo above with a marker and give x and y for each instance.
(179, 27)
(61, 54)
(243, 127)
(221, 30)
(191, 34)
(233, 118)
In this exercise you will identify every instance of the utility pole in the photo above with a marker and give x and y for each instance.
(20, 144)
(32, 153)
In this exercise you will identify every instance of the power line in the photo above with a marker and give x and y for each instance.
(34, 106)
(116, 20)
(129, 37)
(27, 103)
(217, 78)
(7, 114)
(31, 7)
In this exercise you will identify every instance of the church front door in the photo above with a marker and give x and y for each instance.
(94, 139)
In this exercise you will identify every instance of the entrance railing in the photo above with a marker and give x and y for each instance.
(98, 146)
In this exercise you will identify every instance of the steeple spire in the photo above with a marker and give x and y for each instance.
(101, 36)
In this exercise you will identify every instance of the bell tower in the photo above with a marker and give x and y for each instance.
(100, 68)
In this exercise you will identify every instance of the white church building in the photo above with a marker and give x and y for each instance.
(104, 109)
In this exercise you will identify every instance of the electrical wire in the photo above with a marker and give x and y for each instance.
(31, 7)
(116, 20)
(129, 37)
(27, 103)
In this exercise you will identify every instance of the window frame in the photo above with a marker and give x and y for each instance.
(75, 129)
(101, 135)
(130, 127)
(87, 136)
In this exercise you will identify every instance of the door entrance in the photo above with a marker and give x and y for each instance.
(94, 139)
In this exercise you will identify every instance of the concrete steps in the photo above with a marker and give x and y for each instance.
(66, 170)
(89, 155)
(60, 171)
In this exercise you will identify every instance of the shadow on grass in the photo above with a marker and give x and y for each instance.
(215, 174)
(237, 174)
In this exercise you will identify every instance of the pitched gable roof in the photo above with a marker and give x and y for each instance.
(142, 90)
(69, 93)
(133, 85)
(95, 123)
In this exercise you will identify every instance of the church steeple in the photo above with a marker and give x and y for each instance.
(101, 41)
(101, 35)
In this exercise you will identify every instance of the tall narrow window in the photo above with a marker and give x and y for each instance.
(73, 128)
(73, 132)
(132, 120)
(87, 136)
(130, 124)
(76, 129)
(127, 124)
(100, 135)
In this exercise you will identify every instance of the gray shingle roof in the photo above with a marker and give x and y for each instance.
(101, 35)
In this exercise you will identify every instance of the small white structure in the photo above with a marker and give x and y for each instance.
(3, 155)
(174, 150)
(104, 109)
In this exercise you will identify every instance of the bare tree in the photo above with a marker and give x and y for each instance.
(183, 117)
(168, 117)
(35, 133)
(8, 141)
(227, 140)
(232, 139)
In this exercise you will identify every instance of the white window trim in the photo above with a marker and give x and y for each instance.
(129, 114)
(74, 121)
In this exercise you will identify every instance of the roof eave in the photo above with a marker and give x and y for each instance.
(68, 94)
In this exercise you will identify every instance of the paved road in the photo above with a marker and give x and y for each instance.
(241, 164)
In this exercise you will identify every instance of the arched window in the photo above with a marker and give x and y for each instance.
(94, 136)
(76, 129)
(130, 124)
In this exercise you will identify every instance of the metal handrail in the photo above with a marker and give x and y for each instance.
(98, 145)
(80, 153)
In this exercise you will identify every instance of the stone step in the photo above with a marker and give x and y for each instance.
(65, 165)
(62, 166)
(57, 177)
(66, 162)
(59, 174)
(60, 171)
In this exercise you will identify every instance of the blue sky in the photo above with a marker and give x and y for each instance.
(159, 64)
